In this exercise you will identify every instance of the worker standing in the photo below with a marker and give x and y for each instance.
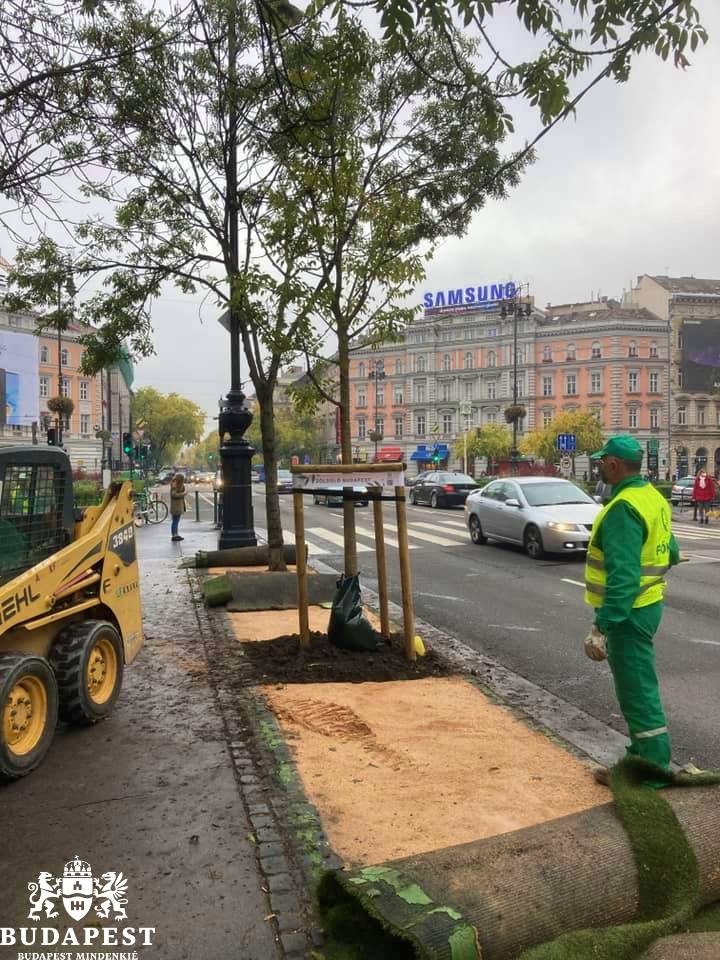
(631, 549)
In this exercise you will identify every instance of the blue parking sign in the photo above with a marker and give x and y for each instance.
(306, 458)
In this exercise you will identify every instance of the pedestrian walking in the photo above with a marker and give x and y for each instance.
(631, 549)
(703, 495)
(177, 504)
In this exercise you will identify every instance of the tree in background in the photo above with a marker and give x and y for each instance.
(170, 422)
(542, 442)
(205, 455)
(296, 434)
(493, 442)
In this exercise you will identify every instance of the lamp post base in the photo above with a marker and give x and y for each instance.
(235, 458)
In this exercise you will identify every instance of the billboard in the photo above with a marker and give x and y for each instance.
(19, 379)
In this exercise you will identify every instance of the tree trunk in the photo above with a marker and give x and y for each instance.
(351, 564)
(272, 500)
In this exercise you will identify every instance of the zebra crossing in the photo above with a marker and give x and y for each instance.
(323, 541)
(693, 531)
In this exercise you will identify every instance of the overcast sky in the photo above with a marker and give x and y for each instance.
(631, 186)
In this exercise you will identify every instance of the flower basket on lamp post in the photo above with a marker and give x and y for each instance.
(515, 412)
(62, 407)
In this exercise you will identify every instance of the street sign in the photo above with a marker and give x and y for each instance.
(566, 466)
(306, 458)
(465, 408)
(566, 442)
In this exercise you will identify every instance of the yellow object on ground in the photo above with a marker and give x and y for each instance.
(419, 646)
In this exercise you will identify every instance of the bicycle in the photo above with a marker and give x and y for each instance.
(146, 510)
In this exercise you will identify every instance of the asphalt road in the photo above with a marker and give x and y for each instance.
(530, 615)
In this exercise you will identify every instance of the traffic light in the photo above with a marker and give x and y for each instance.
(128, 445)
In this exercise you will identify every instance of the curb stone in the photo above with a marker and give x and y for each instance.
(292, 849)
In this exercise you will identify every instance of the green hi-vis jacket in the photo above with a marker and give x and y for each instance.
(630, 550)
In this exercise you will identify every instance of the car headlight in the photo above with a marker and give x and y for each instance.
(564, 527)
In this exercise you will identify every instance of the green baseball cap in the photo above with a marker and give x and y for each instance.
(623, 446)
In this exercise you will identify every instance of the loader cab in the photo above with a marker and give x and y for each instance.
(36, 506)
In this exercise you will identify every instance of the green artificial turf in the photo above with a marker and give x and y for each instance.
(217, 591)
(374, 913)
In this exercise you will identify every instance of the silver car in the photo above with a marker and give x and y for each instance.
(542, 514)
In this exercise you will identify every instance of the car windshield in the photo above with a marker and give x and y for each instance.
(284, 475)
(455, 478)
(554, 494)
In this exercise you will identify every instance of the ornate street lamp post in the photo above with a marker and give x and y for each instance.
(517, 309)
(377, 372)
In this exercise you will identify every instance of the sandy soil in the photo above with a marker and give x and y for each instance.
(267, 624)
(398, 768)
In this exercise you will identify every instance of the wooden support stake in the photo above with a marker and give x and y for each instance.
(405, 574)
(301, 568)
(381, 567)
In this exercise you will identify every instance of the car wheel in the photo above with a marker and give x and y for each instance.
(316, 500)
(434, 502)
(533, 543)
(411, 498)
(476, 531)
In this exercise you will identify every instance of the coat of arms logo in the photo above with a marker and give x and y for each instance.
(79, 891)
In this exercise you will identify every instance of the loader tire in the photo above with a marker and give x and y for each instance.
(28, 713)
(88, 662)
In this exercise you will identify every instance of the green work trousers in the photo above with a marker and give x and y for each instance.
(631, 656)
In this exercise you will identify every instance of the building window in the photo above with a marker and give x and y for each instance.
(653, 350)
(595, 383)
(380, 425)
(447, 365)
(361, 428)
(682, 416)
(632, 382)
(520, 385)
(680, 379)
(362, 398)
(420, 364)
(632, 417)
(447, 423)
(84, 390)
(547, 386)
(361, 370)
(547, 416)
(379, 396)
(468, 361)
(398, 366)
(701, 416)
(547, 355)
(468, 390)
(419, 393)
(492, 331)
(420, 426)
(654, 418)
(64, 357)
(632, 349)
(491, 358)
(680, 339)
(84, 423)
(397, 396)
(398, 421)
(596, 351)
(44, 355)
(571, 385)
(446, 389)
(654, 382)
(490, 416)
(65, 390)
(570, 355)
(44, 386)
(492, 390)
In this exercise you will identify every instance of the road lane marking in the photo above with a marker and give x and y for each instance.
(712, 643)
(367, 532)
(507, 626)
(313, 549)
(325, 534)
(462, 534)
(577, 583)
(439, 541)
(442, 596)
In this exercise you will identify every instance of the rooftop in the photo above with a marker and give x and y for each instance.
(605, 315)
(689, 286)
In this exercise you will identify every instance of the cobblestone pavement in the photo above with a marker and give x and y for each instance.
(161, 792)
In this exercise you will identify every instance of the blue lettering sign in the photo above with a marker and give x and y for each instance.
(469, 294)
(428, 301)
(497, 291)
(484, 295)
(455, 297)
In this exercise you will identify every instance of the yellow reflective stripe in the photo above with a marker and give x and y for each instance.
(595, 588)
(654, 571)
(594, 562)
(652, 583)
(647, 734)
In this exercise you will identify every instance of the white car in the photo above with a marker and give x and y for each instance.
(541, 514)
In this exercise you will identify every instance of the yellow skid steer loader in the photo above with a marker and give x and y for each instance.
(70, 616)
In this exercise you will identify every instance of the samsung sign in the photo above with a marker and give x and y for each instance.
(469, 297)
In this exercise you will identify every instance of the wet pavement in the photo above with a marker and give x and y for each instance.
(151, 792)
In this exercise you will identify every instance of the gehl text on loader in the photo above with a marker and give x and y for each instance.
(70, 616)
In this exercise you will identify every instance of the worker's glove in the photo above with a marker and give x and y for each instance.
(596, 645)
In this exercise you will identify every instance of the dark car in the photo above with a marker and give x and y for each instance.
(442, 488)
(411, 481)
(334, 495)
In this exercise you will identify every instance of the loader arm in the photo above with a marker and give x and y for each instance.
(95, 574)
